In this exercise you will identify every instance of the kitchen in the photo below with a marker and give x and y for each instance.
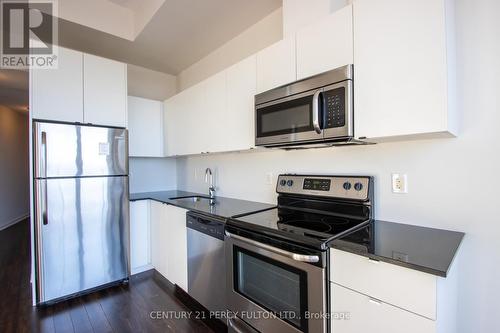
(388, 158)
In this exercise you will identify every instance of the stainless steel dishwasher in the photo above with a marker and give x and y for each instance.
(206, 262)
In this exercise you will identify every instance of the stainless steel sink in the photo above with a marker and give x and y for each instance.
(191, 199)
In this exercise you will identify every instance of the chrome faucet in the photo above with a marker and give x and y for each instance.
(209, 178)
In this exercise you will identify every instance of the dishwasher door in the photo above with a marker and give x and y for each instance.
(206, 263)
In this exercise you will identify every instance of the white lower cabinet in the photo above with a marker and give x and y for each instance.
(176, 246)
(379, 297)
(169, 242)
(140, 249)
(361, 313)
(159, 237)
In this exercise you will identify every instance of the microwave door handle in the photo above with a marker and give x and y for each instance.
(315, 111)
(291, 255)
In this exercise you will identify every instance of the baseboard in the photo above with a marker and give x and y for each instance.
(14, 221)
(141, 269)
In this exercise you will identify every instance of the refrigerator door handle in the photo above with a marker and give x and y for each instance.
(39, 203)
(40, 149)
(43, 157)
(43, 203)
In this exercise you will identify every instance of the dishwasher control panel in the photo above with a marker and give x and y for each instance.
(206, 225)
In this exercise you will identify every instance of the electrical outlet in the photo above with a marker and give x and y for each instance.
(399, 183)
(269, 178)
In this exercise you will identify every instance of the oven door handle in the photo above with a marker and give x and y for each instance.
(288, 254)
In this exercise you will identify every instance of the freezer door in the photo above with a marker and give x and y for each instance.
(65, 150)
(82, 234)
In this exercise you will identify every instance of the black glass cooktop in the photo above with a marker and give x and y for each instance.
(303, 227)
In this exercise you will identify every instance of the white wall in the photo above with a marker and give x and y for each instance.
(453, 183)
(14, 183)
(260, 35)
(152, 174)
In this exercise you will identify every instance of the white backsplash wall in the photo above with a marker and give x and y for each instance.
(452, 183)
(152, 174)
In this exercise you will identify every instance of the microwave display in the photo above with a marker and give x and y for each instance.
(316, 184)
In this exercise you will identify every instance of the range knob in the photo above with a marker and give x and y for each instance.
(283, 182)
(289, 182)
(358, 186)
(347, 186)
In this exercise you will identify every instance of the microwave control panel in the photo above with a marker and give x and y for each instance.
(334, 108)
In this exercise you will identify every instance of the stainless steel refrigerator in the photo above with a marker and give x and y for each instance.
(81, 208)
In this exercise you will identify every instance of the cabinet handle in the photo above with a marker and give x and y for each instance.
(374, 301)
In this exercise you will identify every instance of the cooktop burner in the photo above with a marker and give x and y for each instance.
(313, 216)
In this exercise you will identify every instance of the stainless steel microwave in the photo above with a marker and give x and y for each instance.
(315, 111)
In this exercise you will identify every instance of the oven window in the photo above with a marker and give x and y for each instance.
(279, 288)
(285, 118)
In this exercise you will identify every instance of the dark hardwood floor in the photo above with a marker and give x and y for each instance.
(125, 308)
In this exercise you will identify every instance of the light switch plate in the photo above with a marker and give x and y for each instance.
(399, 183)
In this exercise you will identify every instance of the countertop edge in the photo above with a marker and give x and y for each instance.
(417, 267)
(396, 262)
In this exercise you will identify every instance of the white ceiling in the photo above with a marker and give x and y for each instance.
(180, 33)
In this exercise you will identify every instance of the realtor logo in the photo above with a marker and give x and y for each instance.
(29, 34)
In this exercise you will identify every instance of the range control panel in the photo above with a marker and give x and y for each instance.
(343, 187)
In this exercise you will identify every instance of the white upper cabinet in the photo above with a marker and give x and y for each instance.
(401, 69)
(325, 45)
(145, 124)
(276, 65)
(240, 113)
(83, 89)
(212, 122)
(105, 91)
(57, 94)
(215, 115)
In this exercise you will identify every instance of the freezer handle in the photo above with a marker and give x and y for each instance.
(40, 149)
(43, 155)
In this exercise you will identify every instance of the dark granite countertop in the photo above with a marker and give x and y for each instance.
(424, 249)
(224, 207)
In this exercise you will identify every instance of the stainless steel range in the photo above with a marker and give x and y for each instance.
(276, 259)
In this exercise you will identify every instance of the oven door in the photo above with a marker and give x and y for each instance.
(291, 119)
(274, 290)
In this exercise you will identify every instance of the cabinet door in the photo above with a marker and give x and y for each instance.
(145, 125)
(105, 91)
(171, 124)
(240, 115)
(325, 45)
(400, 60)
(276, 65)
(370, 315)
(57, 94)
(213, 124)
(140, 244)
(184, 122)
(159, 237)
(177, 246)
